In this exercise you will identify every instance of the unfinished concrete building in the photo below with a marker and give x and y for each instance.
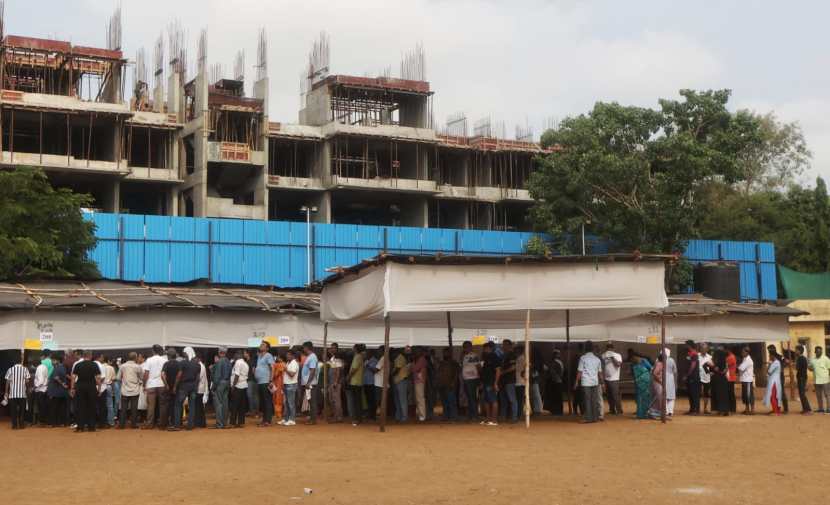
(364, 150)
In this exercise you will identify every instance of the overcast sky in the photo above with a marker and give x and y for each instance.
(518, 61)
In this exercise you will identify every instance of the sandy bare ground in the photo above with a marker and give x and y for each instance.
(735, 460)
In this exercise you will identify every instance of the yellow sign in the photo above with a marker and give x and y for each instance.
(272, 341)
(32, 344)
(652, 339)
(479, 340)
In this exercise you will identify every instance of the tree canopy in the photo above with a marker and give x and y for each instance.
(42, 231)
(649, 179)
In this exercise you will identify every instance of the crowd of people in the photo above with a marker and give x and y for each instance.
(170, 390)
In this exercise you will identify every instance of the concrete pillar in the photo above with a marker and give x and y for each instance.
(112, 198)
(322, 166)
(323, 203)
(174, 94)
(173, 201)
(158, 99)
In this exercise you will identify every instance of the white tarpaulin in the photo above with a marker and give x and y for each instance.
(496, 295)
(102, 330)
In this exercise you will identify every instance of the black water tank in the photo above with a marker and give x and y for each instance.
(721, 280)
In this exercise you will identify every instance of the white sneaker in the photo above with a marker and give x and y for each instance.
(290, 423)
(282, 422)
(491, 423)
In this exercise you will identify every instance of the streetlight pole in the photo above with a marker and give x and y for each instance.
(308, 211)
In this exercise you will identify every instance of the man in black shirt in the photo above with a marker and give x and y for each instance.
(507, 383)
(490, 390)
(169, 372)
(86, 378)
(801, 375)
(187, 379)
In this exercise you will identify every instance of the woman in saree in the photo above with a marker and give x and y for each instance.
(276, 385)
(772, 395)
(658, 392)
(641, 369)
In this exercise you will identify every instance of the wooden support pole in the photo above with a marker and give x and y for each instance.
(386, 368)
(568, 360)
(326, 371)
(40, 137)
(11, 138)
(527, 369)
(449, 330)
(664, 403)
(89, 142)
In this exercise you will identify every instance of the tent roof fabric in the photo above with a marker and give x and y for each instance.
(493, 292)
(107, 295)
(459, 259)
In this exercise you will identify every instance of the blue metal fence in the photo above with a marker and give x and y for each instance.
(161, 249)
(756, 261)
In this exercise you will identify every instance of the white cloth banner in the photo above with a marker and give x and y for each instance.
(497, 296)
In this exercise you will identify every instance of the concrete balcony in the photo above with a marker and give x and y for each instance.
(483, 193)
(298, 183)
(385, 184)
(234, 152)
(63, 163)
(224, 207)
(153, 174)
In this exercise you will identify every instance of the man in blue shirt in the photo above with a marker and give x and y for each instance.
(262, 375)
(308, 379)
(220, 385)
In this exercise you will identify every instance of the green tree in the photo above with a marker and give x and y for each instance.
(822, 226)
(635, 175)
(42, 231)
(795, 220)
(774, 154)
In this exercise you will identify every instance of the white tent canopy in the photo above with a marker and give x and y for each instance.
(105, 330)
(491, 295)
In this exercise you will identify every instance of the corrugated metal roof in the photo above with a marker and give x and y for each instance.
(122, 296)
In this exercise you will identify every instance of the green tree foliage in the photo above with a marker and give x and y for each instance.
(42, 231)
(634, 174)
(649, 178)
(796, 220)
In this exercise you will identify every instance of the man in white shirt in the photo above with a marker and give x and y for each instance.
(289, 383)
(40, 384)
(589, 378)
(239, 391)
(611, 365)
(471, 376)
(380, 369)
(705, 361)
(154, 386)
(746, 374)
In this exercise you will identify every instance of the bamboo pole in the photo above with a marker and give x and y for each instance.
(326, 371)
(568, 360)
(527, 369)
(386, 368)
(665, 367)
(449, 330)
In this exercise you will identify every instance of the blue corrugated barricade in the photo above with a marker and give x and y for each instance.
(162, 249)
(756, 261)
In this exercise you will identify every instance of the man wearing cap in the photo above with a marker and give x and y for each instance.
(220, 384)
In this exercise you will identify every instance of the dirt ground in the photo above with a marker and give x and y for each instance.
(736, 460)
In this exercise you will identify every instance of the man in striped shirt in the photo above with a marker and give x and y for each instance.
(17, 377)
